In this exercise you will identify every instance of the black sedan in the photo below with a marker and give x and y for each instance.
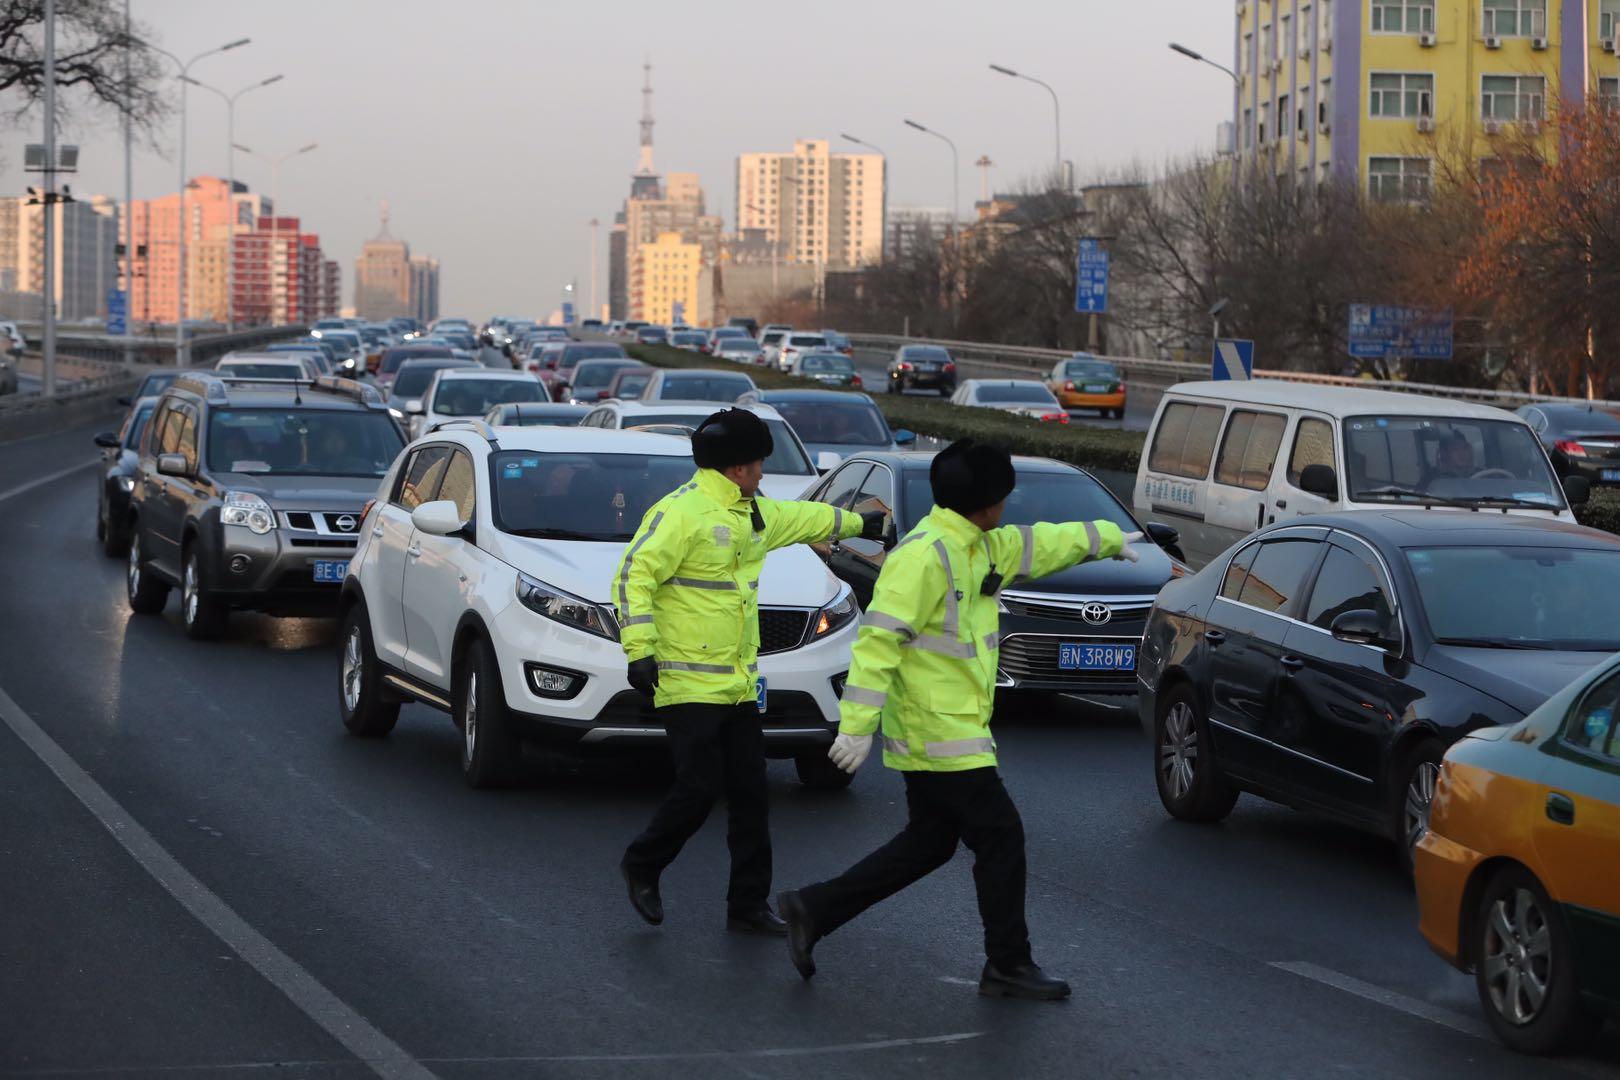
(1075, 631)
(1581, 440)
(1327, 663)
(922, 367)
(120, 453)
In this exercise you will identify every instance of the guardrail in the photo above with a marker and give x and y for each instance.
(200, 348)
(1157, 374)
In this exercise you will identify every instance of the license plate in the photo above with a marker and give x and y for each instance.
(1078, 657)
(759, 694)
(1611, 474)
(330, 571)
(927, 365)
(1102, 389)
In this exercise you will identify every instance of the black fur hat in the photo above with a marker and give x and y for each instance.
(967, 476)
(731, 437)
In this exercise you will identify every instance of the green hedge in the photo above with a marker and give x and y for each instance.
(1088, 447)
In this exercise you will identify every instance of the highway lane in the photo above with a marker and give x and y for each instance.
(488, 934)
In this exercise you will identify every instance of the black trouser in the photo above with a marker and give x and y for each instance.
(943, 808)
(718, 750)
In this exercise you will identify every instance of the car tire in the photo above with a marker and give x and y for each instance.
(204, 614)
(817, 771)
(491, 752)
(1190, 784)
(1521, 943)
(114, 539)
(360, 699)
(147, 594)
(1412, 783)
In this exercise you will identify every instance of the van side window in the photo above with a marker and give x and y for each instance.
(1313, 445)
(1185, 439)
(1249, 451)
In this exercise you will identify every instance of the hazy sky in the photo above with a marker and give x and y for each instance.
(496, 129)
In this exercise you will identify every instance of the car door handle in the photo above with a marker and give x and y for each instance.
(376, 530)
(1282, 504)
(414, 551)
(1292, 663)
(1560, 808)
(1214, 637)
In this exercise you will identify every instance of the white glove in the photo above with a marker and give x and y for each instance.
(848, 751)
(1126, 553)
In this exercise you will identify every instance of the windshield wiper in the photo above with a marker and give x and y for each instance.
(1393, 491)
(1509, 500)
(568, 534)
(1488, 643)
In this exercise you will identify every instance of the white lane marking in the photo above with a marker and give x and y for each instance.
(1409, 1005)
(381, 1054)
(42, 481)
(955, 980)
(721, 1055)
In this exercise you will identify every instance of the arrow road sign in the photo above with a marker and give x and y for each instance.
(1091, 278)
(1234, 360)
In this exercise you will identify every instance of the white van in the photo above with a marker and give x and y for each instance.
(1225, 458)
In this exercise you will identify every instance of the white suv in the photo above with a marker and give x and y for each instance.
(459, 393)
(482, 586)
(795, 345)
(788, 471)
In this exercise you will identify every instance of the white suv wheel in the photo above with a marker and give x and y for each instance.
(469, 724)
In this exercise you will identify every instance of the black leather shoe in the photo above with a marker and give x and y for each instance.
(761, 920)
(644, 895)
(1025, 981)
(801, 936)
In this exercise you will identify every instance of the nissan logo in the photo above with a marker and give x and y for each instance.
(346, 523)
(1096, 614)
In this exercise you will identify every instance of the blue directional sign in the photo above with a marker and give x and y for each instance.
(1234, 360)
(1091, 278)
(678, 315)
(1379, 331)
(117, 311)
(568, 313)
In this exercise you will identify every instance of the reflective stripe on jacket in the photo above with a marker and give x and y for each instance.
(687, 589)
(924, 669)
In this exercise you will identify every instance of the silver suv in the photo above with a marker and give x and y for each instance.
(248, 495)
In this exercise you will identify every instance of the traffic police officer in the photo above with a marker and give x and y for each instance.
(687, 594)
(924, 672)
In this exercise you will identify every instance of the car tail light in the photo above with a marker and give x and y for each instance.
(948, 366)
(602, 395)
(904, 366)
(1056, 417)
(856, 381)
(1569, 448)
(1069, 386)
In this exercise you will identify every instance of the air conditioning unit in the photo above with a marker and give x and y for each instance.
(1538, 43)
(1428, 41)
(1493, 42)
(1495, 127)
(1305, 52)
(1425, 125)
(1326, 43)
(1304, 134)
(1325, 127)
(1608, 44)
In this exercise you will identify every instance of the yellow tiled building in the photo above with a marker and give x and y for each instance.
(664, 275)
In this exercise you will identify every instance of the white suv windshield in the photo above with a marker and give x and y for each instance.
(302, 442)
(579, 496)
(473, 397)
(1444, 459)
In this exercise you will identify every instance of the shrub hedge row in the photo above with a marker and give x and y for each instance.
(1088, 447)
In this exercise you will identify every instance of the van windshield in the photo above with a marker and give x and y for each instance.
(1450, 460)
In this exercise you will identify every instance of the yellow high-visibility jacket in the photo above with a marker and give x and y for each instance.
(924, 667)
(687, 589)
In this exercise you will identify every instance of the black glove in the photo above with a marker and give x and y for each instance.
(872, 525)
(644, 675)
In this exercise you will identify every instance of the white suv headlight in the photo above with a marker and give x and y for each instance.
(562, 607)
(247, 510)
(837, 614)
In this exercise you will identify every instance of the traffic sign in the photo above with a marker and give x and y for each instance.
(568, 313)
(1234, 360)
(678, 315)
(1091, 278)
(1379, 331)
(117, 311)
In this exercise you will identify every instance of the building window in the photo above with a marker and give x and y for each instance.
(1513, 97)
(1398, 179)
(1306, 25)
(1403, 16)
(1396, 95)
(1609, 92)
(1515, 18)
(1248, 129)
(1609, 20)
(1285, 117)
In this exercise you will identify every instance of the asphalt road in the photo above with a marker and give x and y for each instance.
(279, 895)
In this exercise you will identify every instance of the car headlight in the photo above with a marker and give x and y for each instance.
(559, 606)
(126, 484)
(248, 510)
(841, 612)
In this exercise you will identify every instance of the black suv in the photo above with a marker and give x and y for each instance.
(249, 492)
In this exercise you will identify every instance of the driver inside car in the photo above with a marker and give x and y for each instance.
(1455, 460)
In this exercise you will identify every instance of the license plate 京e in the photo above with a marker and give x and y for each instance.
(1075, 656)
(330, 571)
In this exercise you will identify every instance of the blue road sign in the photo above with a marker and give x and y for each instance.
(1234, 360)
(117, 311)
(1091, 278)
(1392, 331)
(568, 313)
(678, 315)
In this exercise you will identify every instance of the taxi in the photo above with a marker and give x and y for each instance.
(1085, 382)
(1518, 878)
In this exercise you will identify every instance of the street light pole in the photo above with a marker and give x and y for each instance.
(1202, 59)
(230, 180)
(48, 337)
(595, 311)
(956, 171)
(883, 232)
(275, 224)
(129, 202)
(1057, 117)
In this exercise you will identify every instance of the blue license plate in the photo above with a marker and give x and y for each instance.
(759, 694)
(1079, 657)
(1611, 474)
(330, 571)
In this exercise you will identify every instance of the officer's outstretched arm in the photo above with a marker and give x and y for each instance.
(908, 592)
(1022, 552)
(652, 557)
(789, 523)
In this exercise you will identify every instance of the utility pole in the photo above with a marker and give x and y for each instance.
(984, 164)
(48, 342)
(596, 312)
(129, 201)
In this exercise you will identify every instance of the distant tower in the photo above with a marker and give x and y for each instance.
(382, 232)
(644, 182)
(984, 163)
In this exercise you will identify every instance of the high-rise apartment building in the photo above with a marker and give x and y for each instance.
(281, 275)
(814, 205)
(664, 279)
(1375, 91)
(212, 205)
(86, 257)
(382, 276)
(424, 291)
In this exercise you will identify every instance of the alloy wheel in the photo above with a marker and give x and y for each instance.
(1517, 957)
(1178, 750)
(188, 592)
(1419, 800)
(134, 565)
(469, 714)
(353, 669)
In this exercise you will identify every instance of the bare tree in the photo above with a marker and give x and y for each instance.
(90, 49)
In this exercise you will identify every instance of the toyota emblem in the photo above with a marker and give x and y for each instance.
(1096, 614)
(346, 523)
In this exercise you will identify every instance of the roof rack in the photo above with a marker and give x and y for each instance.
(364, 393)
(472, 424)
(215, 387)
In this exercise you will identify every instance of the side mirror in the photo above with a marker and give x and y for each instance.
(1364, 627)
(1578, 490)
(1319, 480)
(172, 465)
(439, 518)
(905, 437)
(1164, 535)
(107, 440)
(414, 406)
(828, 460)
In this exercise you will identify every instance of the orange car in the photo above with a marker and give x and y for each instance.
(1085, 382)
(1518, 878)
